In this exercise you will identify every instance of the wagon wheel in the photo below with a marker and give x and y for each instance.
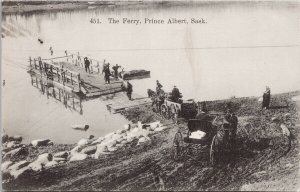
(164, 111)
(212, 151)
(177, 146)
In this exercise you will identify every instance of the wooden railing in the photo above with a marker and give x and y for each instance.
(62, 75)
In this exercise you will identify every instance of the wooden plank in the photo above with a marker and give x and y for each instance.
(117, 106)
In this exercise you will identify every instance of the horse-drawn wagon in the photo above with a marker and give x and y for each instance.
(209, 133)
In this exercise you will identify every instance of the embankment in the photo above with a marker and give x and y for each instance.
(262, 160)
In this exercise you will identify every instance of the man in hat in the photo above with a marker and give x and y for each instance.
(87, 64)
(266, 98)
(175, 94)
(107, 73)
(158, 87)
(232, 122)
(116, 73)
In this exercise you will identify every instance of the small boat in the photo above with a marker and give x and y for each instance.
(135, 74)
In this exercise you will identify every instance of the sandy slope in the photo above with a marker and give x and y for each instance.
(256, 165)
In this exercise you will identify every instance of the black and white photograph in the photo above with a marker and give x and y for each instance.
(150, 95)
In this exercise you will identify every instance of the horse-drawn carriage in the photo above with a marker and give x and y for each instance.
(211, 136)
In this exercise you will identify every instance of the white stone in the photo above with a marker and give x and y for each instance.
(98, 141)
(40, 142)
(18, 165)
(160, 128)
(285, 130)
(89, 150)
(78, 157)
(296, 98)
(82, 142)
(62, 154)
(5, 165)
(51, 163)
(41, 161)
(80, 127)
(17, 173)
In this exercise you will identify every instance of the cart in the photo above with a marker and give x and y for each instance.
(213, 141)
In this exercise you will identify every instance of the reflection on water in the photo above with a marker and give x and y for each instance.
(68, 99)
(242, 48)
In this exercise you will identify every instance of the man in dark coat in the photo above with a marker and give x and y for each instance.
(116, 73)
(175, 95)
(232, 121)
(158, 87)
(129, 90)
(107, 74)
(266, 98)
(87, 64)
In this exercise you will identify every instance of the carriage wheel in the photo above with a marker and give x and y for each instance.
(164, 111)
(177, 146)
(212, 151)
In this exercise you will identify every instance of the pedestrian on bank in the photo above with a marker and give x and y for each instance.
(266, 98)
(232, 121)
(87, 65)
(116, 73)
(158, 87)
(129, 90)
(107, 73)
(51, 51)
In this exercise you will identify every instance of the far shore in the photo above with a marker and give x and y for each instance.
(42, 6)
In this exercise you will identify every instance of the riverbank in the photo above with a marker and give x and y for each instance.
(257, 165)
(12, 7)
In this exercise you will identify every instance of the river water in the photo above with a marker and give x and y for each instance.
(240, 49)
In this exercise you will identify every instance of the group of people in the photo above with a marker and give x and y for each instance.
(107, 72)
(174, 96)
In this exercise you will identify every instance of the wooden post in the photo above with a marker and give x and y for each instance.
(98, 65)
(45, 67)
(72, 78)
(59, 94)
(30, 61)
(73, 102)
(62, 75)
(36, 82)
(80, 106)
(34, 62)
(79, 86)
(42, 86)
(53, 93)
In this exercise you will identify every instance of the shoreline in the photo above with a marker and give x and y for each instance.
(23, 7)
(153, 157)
